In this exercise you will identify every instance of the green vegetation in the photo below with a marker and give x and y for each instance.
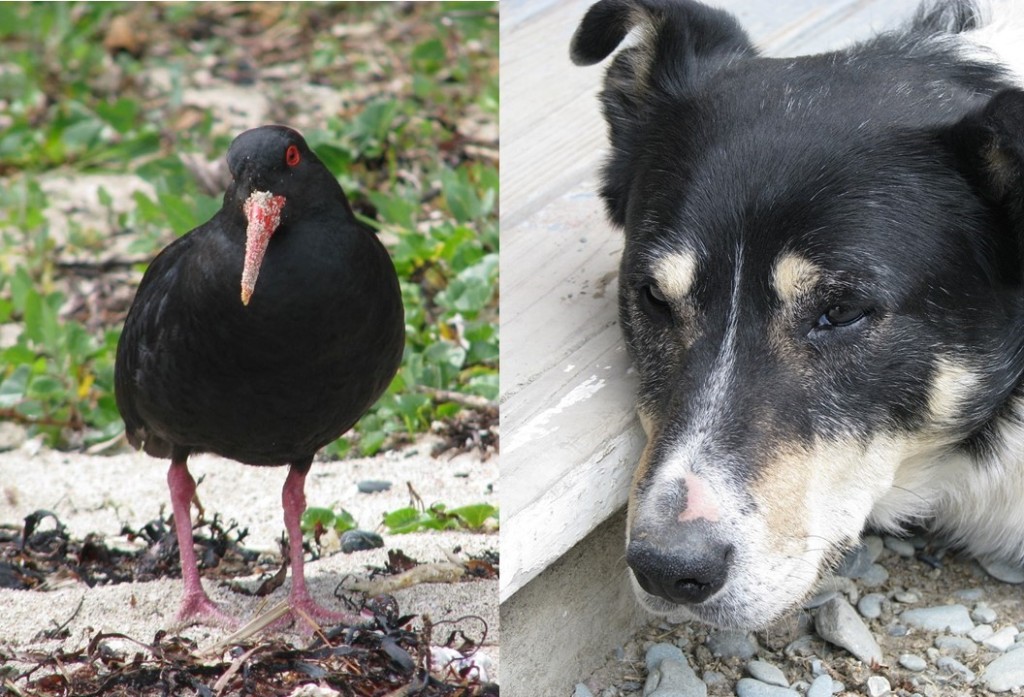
(473, 517)
(325, 519)
(107, 93)
(439, 517)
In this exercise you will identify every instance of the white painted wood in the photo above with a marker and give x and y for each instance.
(570, 437)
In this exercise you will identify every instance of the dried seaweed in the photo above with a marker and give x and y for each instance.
(41, 555)
(385, 656)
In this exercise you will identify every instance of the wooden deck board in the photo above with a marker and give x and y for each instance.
(570, 437)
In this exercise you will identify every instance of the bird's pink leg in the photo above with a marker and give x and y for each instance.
(196, 606)
(293, 500)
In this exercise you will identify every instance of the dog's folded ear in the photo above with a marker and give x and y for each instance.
(681, 44)
(676, 31)
(989, 144)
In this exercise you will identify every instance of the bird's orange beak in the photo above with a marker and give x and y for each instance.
(263, 211)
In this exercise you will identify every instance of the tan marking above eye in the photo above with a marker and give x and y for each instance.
(794, 276)
(675, 273)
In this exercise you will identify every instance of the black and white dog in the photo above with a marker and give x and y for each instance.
(822, 290)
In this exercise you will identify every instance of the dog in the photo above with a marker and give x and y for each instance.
(822, 291)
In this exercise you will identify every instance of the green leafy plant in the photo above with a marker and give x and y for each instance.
(438, 517)
(314, 519)
(73, 108)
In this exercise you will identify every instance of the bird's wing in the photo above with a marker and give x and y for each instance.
(158, 283)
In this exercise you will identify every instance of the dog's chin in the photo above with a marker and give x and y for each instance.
(721, 610)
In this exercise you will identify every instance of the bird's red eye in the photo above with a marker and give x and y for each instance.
(292, 156)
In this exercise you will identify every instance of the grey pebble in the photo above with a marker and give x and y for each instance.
(713, 678)
(801, 646)
(896, 630)
(855, 562)
(661, 652)
(871, 605)
(372, 486)
(877, 686)
(838, 623)
(981, 632)
(360, 540)
(1006, 672)
(906, 597)
(969, 595)
(730, 643)
(766, 672)
(984, 614)
(875, 576)
(948, 664)
(904, 548)
(1005, 572)
(821, 687)
(913, 663)
(837, 584)
(818, 668)
(875, 546)
(956, 645)
(670, 675)
(748, 687)
(582, 691)
(953, 618)
(1002, 640)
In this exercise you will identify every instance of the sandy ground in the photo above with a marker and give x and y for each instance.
(101, 493)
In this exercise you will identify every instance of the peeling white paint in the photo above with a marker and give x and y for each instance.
(539, 426)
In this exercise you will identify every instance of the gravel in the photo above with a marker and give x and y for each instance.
(904, 548)
(937, 624)
(1007, 573)
(953, 618)
(1006, 672)
(768, 673)
(821, 687)
(877, 686)
(870, 606)
(748, 687)
(984, 614)
(956, 645)
(913, 662)
(732, 644)
(838, 624)
(1002, 640)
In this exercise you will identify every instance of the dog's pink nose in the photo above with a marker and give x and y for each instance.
(684, 563)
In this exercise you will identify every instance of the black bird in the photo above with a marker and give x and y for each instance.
(261, 336)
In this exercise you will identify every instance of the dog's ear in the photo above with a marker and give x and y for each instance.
(989, 144)
(681, 44)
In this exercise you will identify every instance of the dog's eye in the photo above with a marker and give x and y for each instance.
(653, 301)
(840, 316)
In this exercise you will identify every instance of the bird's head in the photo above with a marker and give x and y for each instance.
(274, 173)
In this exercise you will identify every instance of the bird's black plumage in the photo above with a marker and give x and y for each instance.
(271, 382)
(262, 335)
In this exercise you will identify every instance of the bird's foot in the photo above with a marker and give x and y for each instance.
(197, 608)
(309, 617)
